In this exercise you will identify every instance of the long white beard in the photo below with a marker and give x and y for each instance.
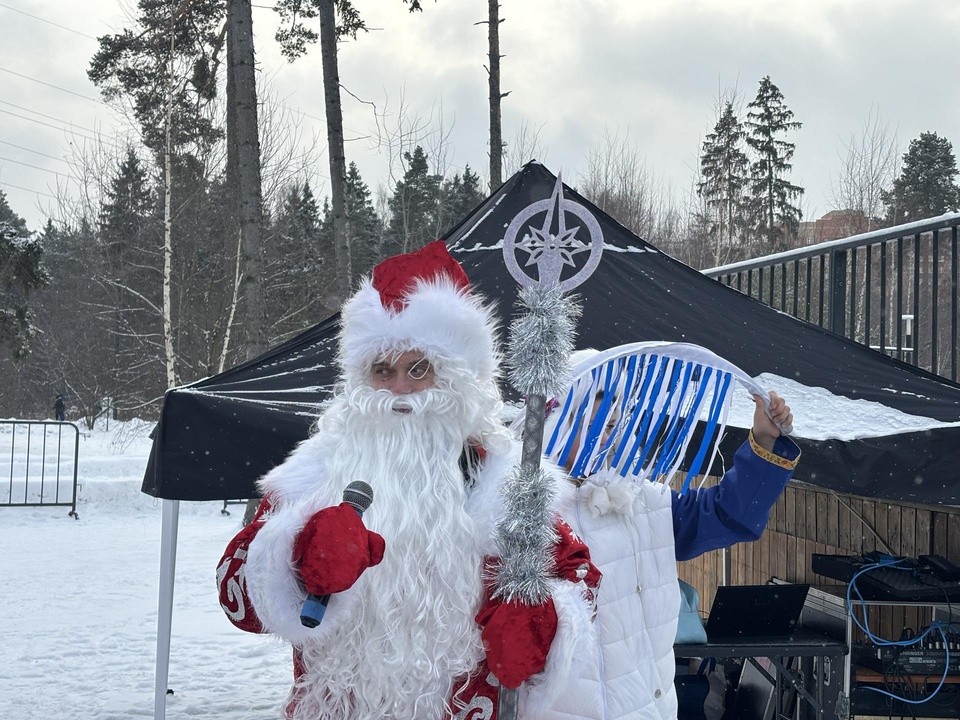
(414, 630)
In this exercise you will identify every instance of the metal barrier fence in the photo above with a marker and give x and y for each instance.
(41, 462)
(893, 289)
(224, 511)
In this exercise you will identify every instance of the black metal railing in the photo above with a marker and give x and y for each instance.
(226, 503)
(41, 462)
(893, 289)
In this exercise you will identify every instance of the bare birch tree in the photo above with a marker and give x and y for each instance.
(523, 147)
(868, 165)
(169, 360)
(620, 182)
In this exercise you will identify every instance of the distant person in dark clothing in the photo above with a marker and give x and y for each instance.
(60, 408)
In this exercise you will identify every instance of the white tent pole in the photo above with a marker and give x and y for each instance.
(168, 564)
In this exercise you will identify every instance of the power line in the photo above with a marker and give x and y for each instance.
(35, 167)
(49, 22)
(101, 102)
(50, 117)
(30, 150)
(35, 192)
(58, 127)
(55, 87)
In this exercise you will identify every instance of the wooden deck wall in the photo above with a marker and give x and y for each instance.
(809, 520)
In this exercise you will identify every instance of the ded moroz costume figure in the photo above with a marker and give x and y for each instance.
(411, 630)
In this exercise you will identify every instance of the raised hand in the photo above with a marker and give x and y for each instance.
(766, 428)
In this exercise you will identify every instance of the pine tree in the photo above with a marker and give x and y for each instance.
(338, 19)
(300, 265)
(494, 95)
(243, 171)
(415, 205)
(127, 216)
(129, 238)
(74, 352)
(134, 64)
(724, 170)
(776, 219)
(459, 197)
(366, 230)
(927, 184)
(21, 273)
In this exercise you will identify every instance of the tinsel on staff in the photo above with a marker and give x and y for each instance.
(540, 344)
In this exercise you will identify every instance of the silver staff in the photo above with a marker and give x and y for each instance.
(541, 340)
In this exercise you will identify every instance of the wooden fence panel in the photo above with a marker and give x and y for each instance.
(953, 538)
(843, 523)
(924, 532)
(808, 520)
(857, 529)
(869, 526)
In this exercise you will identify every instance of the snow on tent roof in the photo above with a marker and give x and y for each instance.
(867, 424)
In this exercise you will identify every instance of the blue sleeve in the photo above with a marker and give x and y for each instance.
(737, 509)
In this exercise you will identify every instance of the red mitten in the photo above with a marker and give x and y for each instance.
(517, 638)
(333, 550)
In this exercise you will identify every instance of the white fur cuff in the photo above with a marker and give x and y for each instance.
(273, 583)
(575, 637)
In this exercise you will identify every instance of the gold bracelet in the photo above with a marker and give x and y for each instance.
(772, 457)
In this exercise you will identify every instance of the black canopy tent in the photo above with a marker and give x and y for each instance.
(218, 435)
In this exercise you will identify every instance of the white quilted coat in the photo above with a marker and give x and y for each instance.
(630, 672)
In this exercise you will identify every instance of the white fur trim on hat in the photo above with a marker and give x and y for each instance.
(438, 318)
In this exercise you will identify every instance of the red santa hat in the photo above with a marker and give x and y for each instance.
(420, 300)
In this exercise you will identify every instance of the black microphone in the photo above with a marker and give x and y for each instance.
(359, 496)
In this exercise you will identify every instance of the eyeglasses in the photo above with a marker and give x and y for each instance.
(420, 369)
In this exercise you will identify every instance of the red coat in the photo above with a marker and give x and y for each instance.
(477, 697)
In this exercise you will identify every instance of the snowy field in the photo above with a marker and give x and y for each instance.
(79, 613)
(79, 617)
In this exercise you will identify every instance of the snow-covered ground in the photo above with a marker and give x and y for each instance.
(78, 614)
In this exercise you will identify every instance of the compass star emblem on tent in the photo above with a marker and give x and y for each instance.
(553, 245)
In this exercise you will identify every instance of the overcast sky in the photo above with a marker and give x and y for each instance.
(649, 70)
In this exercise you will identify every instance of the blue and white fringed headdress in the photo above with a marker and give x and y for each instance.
(648, 397)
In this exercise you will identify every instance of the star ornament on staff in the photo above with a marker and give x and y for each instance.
(553, 251)
(541, 340)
